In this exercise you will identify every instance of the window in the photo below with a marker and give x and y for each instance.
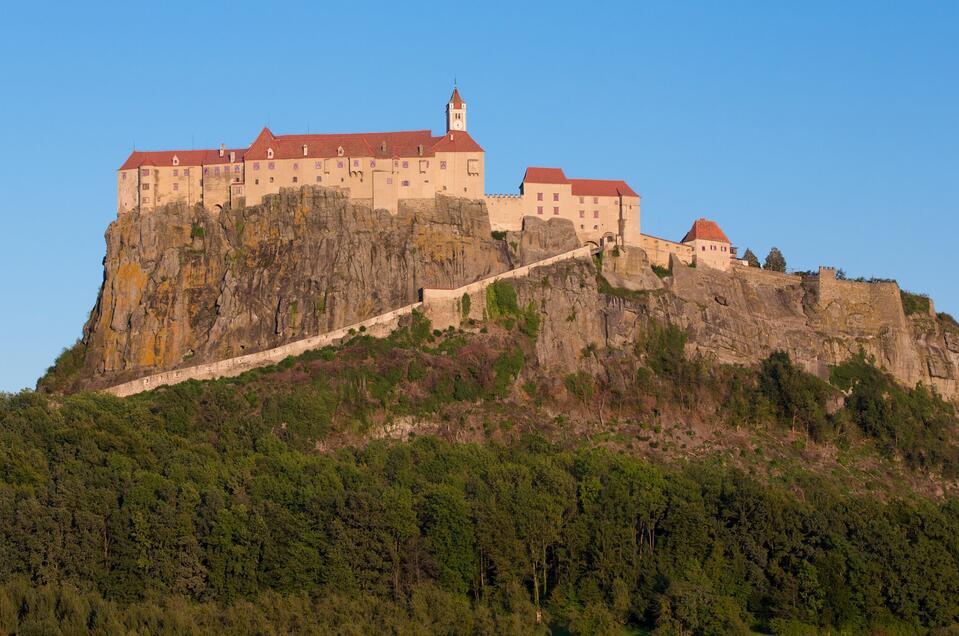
(724, 248)
(442, 165)
(256, 165)
(295, 179)
(472, 166)
(389, 180)
(555, 210)
(269, 153)
(206, 171)
(372, 163)
(339, 164)
(704, 248)
(539, 209)
(146, 199)
(216, 170)
(712, 248)
(405, 184)
(539, 196)
(176, 187)
(146, 186)
(582, 200)
(317, 165)
(145, 172)
(271, 165)
(186, 172)
(256, 182)
(356, 163)
(271, 179)
(582, 213)
(123, 176)
(556, 196)
(595, 214)
(595, 200)
(175, 172)
(236, 169)
(406, 164)
(319, 179)
(595, 227)
(424, 165)
(582, 227)
(296, 166)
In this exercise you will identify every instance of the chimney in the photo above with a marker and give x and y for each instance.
(232, 157)
(304, 150)
(222, 149)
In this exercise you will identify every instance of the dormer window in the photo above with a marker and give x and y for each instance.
(176, 160)
(383, 147)
(305, 150)
(232, 157)
(419, 150)
(339, 151)
(269, 153)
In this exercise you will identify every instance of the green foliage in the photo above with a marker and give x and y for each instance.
(498, 235)
(501, 300)
(795, 396)
(196, 231)
(660, 271)
(133, 520)
(914, 303)
(912, 422)
(751, 258)
(580, 385)
(465, 305)
(948, 320)
(775, 261)
(60, 377)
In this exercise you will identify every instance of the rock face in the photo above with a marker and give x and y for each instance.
(742, 316)
(183, 286)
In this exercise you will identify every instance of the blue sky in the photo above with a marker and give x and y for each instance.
(827, 129)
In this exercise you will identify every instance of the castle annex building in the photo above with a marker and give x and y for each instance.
(381, 169)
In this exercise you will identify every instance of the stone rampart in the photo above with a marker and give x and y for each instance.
(381, 325)
(442, 306)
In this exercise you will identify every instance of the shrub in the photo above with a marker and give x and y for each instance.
(498, 235)
(60, 377)
(914, 303)
(465, 306)
(501, 300)
(660, 271)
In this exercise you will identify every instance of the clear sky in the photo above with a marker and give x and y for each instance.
(828, 129)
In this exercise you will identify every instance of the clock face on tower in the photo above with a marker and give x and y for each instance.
(457, 124)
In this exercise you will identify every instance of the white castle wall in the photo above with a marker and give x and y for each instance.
(441, 306)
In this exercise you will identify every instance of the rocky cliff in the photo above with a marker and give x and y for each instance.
(740, 316)
(183, 286)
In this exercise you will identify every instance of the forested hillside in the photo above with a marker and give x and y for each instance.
(441, 483)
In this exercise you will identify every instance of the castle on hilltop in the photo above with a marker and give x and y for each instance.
(382, 169)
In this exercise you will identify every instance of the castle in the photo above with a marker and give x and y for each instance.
(382, 169)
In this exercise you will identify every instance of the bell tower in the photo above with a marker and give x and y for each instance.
(455, 112)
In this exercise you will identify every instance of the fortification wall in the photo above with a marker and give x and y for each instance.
(378, 326)
(659, 250)
(858, 306)
(765, 277)
(442, 306)
(505, 211)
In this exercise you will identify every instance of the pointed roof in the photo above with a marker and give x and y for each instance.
(705, 230)
(455, 98)
(544, 175)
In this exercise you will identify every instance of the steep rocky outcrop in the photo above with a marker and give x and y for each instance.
(740, 316)
(183, 286)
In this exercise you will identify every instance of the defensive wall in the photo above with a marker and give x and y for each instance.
(658, 250)
(442, 306)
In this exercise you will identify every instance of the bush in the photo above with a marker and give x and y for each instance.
(660, 271)
(501, 300)
(914, 303)
(60, 377)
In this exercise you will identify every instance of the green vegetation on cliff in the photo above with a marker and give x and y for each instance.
(207, 507)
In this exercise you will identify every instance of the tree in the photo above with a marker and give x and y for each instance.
(751, 258)
(775, 261)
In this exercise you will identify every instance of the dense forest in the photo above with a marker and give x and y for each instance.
(230, 505)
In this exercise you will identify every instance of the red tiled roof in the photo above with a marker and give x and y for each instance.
(705, 230)
(580, 187)
(455, 99)
(456, 141)
(545, 175)
(139, 158)
(601, 188)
